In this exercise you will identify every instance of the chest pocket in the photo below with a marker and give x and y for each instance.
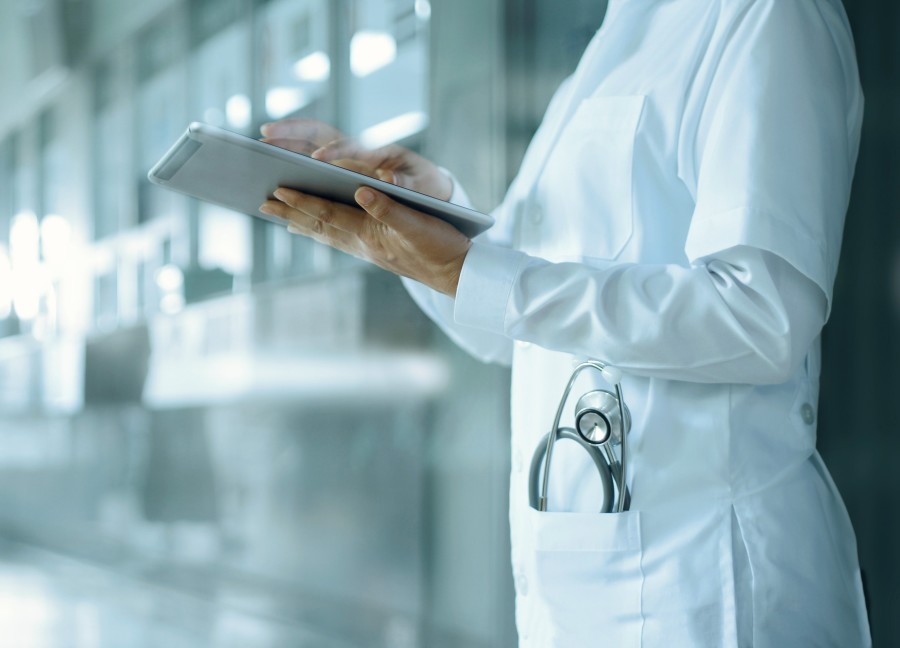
(582, 206)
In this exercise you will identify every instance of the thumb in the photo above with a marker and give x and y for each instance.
(388, 211)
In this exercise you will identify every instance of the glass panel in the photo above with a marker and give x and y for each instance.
(389, 67)
(55, 162)
(7, 207)
(24, 176)
(220, 95)
(161, 114)
(295, 70)
(160, 46)
(113, 202)
(208, 17)
(7, 185)
(295, 59)
(105, 304)
(220, 86)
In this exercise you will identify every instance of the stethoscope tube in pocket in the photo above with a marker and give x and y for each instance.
(601, 420)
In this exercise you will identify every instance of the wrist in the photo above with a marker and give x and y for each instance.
(454, 272)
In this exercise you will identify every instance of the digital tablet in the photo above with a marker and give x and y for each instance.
(240, 173)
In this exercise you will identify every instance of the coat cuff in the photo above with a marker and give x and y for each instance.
(485, 284)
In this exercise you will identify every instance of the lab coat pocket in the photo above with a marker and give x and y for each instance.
(588, 180)
(587, 570)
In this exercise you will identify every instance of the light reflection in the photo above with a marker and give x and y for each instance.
(169, 278)
(214, 116)
(171, 303)
(56, 236)
(27, 614)
(315, 67)
(370, 51)
(28, 284)
(282, 101)
(238, 111)
(423, 9)
(24, 250)
(24, 240)
(6, 279)
(394, 130)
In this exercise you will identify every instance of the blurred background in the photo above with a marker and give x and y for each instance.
(213, 433)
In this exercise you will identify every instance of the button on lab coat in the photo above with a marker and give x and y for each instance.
(679, 214)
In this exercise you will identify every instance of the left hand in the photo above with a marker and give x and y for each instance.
(396, 238)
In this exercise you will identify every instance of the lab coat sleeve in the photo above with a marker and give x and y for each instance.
(770, 140)
(743, 316)
(484, 345)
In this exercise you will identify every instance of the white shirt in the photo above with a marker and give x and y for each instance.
(679, 215)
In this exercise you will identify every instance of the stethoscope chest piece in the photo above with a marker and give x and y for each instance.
(601, 420)
(598, 417)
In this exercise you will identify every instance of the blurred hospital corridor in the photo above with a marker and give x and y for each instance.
(216, 434)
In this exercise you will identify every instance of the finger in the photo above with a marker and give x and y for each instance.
(347, 148)
(277, 208)
(382, 159)
(301, 223)
(391, 213)
(328, 212)
(357, 166)
(308, 129)
(306, 147)
(385, 175)
(325, 234)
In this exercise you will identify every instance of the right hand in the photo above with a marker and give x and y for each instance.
(391, 163)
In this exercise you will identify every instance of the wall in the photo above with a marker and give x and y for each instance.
(859, 412)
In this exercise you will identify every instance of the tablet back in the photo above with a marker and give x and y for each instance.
(241, 173)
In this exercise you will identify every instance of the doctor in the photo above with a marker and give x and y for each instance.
(679, 215)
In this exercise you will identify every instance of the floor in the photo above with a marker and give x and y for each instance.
(48, 601)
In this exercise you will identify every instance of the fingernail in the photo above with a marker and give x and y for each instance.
(280, 194)
(265, 209)
(293, 229)
(365, 197)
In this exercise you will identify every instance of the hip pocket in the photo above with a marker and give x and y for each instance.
(587, 571)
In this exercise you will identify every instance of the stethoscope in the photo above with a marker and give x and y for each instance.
(601, 418)
(601, 421)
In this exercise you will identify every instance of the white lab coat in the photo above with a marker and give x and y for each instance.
(679, 214)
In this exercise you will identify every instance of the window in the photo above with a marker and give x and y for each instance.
(389, 68)
(295, 58)
(161, 110)
(113, 197)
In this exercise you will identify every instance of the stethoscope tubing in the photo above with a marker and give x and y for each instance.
(622, 499)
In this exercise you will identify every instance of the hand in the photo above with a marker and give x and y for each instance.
(396, 238)
(391, 163)
(300, 135)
